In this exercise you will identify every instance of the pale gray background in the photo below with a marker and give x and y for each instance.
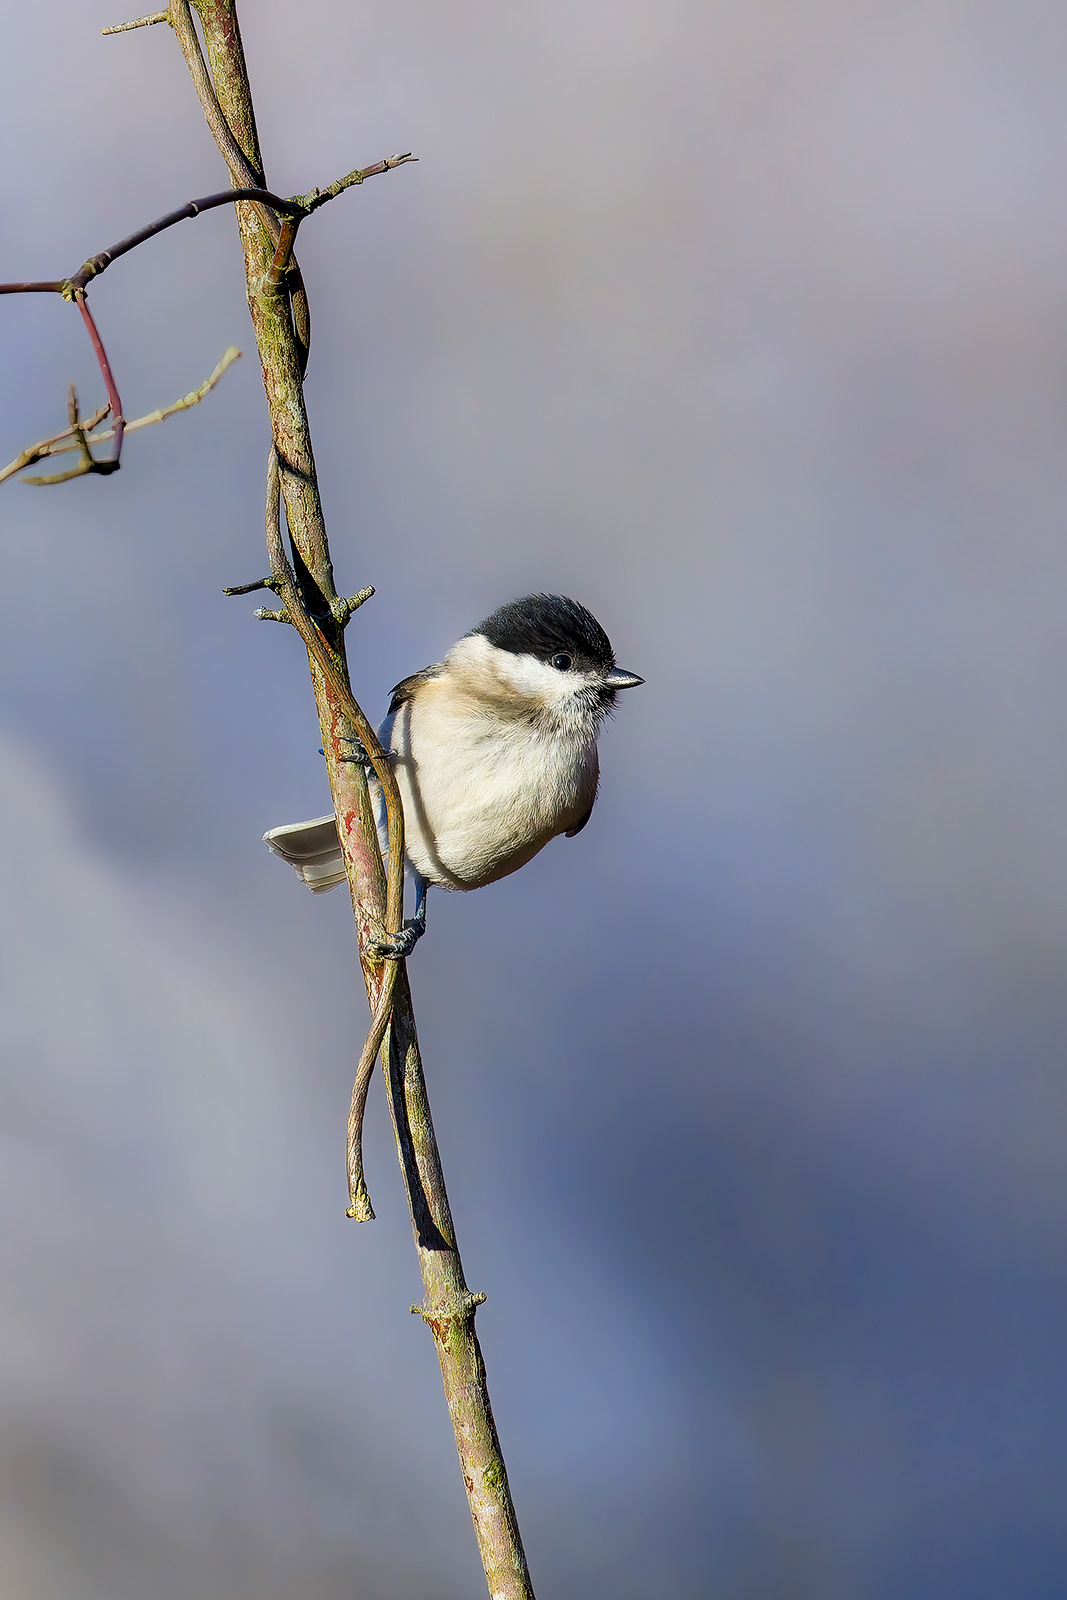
(745, 322)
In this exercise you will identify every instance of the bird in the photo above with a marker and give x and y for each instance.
(494, 750)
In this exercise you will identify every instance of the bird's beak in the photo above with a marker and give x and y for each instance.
(618, 678)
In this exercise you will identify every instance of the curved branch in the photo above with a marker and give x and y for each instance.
(288, 590)
(359, 1206)
(296, 208)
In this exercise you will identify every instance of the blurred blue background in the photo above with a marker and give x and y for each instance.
(745, 324)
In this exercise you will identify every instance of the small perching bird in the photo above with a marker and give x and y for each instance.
(494, 751)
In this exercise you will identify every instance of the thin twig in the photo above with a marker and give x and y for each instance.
(192, 208)
(54, 287)
(141, 22)
(38, 452)
(87, 462)
(193, 398)
(318, 197)
(118, 423)
(56, 447)
(73, 288)
(296, 206)
(359, 1206)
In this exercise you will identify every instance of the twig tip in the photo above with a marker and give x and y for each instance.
(361, 1209)
(139, 22)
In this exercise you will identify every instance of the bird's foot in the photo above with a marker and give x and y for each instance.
(354, 750)
(398, 946)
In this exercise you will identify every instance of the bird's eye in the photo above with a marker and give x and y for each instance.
(561, 663)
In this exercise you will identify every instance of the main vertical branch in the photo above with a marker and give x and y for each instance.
(278, 307)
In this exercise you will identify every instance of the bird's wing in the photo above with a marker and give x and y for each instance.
(405, 690)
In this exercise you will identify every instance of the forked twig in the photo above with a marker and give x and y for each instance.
(46, 447)
(57, 447)
(294, 210)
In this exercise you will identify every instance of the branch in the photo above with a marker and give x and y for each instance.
(37, 452)
(56, 447)
(297, 207)
(77, 429)
(449, 1305)
(282, 266)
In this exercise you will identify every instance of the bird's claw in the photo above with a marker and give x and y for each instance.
(354, 750)
(398, 946)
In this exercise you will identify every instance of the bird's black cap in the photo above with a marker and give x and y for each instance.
(543, 624)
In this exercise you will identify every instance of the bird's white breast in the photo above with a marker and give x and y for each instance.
(484, 785)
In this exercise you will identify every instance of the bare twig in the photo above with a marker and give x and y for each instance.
(141, 22)
(55, 286)
(359, 1206)
(77, 428)
(56, 447)
(282, 267)
(118, 421)
(318, 197)
(193, 398)
(51, 447)
(296, 208)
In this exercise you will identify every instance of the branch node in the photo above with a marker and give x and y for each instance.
(265, 614)
(342, 610)
(441, 1320)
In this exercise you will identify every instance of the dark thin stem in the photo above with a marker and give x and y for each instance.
(293, 210)
(250, 588)
(210, 202)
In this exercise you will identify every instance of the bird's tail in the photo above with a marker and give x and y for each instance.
(313, 850)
